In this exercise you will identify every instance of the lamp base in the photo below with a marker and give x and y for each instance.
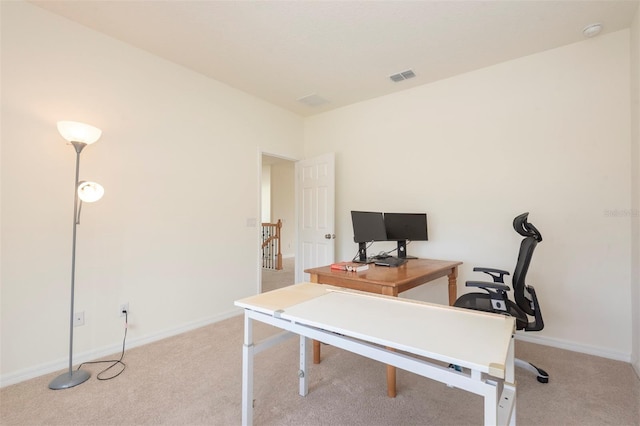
(69, 380)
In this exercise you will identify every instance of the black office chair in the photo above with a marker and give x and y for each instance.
(496, 300)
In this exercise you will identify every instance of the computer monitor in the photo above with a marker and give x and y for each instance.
(401, 227)
(367, 227)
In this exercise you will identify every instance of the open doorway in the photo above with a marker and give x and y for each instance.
(278, 204)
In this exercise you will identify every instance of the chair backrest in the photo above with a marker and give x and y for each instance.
(527, 246)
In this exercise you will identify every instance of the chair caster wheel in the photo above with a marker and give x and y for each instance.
(543, 379)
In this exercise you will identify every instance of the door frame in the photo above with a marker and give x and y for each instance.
(261, 154)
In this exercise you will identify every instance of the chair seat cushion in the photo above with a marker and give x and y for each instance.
(482, 302)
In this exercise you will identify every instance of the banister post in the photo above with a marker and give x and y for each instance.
(278, 226)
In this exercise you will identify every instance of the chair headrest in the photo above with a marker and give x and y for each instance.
(525, 228)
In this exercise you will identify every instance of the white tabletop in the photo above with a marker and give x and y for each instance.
(282, 298)
(463, 337)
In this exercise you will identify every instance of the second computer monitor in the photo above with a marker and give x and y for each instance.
(403, 227)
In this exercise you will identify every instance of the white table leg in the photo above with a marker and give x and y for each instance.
(247, 372)
(507, 403)
(510, 380)
(304, 366)
(491, 406)
(509, 373)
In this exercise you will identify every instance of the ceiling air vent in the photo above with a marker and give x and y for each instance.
(404, 75)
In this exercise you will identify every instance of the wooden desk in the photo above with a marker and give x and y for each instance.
(351, 321)
(390, 282)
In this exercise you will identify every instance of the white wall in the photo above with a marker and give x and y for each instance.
(635, 187)
(548, 134)
(179, 160)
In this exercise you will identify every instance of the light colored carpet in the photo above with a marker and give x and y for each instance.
(195, 379)
(273, 279)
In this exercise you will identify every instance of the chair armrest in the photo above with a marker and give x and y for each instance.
(497, 294)
(538, 323)
(485, 285)
(496, 274)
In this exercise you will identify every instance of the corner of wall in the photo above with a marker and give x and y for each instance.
(635, 190)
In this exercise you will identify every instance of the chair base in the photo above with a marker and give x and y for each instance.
(542, 376)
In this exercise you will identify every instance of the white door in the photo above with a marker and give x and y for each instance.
(315, 205)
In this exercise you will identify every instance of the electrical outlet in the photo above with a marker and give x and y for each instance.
(123, 307)
(78, 319)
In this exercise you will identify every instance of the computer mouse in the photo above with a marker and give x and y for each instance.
(383, 255)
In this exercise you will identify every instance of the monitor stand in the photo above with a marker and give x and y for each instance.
(402, 250)
(362, 254)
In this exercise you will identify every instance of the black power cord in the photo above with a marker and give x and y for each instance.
(113, 362)
(374, 257)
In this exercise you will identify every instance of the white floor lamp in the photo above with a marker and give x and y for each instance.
(80, 135)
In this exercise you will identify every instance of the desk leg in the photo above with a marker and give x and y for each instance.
(247, 373)
(391, 370)
(491, 407)
(453, 286)
(316, 345)
(500, 408)
(303, 372)
(391, 381)
(510, 383)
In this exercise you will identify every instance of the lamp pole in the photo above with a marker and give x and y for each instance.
(72, 378)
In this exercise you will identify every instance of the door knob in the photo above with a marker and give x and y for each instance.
(330, 236)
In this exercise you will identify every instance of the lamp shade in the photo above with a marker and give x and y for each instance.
(90, 191)
(74, 131)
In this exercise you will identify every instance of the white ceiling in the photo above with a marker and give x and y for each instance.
(340, 51)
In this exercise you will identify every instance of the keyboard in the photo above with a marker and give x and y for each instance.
(390, 261)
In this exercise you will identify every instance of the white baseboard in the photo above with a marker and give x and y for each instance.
(62, 364)
(573, 346)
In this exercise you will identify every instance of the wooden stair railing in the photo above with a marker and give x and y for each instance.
(271, 250)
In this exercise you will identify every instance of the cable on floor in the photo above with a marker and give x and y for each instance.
(113, 362)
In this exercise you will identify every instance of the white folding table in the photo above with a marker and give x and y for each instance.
(407, 334)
